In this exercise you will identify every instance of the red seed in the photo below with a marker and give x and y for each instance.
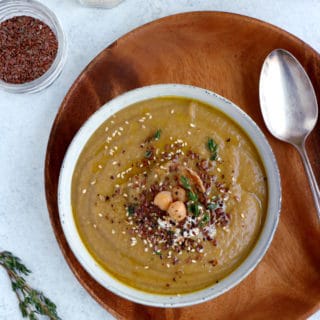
(28, 49)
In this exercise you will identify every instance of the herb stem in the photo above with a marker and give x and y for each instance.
(31, 301)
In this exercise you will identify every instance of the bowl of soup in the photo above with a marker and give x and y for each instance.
(169, 195)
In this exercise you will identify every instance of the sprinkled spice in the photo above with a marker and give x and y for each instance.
(28, 48)
(200, 212)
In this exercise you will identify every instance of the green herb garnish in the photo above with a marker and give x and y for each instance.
(213, 206)
(205, 220)
(157, 135)
(185, 182)
(148, 154)
(31, 302)
(194, 209)
(131, 210)
(213, 148)
(192, 196)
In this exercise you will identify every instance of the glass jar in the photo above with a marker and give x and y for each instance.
(32, 8)
(100, 3)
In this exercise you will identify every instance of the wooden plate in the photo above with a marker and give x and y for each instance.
(222, 52)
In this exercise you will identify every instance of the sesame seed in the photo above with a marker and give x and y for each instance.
(120, 128)
(112, 122)
(168, 265)
(113, 231)
(115, 148)
(100, 214)
(106, 129)
(118, 175)
(133, 242)
(114, 163)
(100, 166)
(218, 169)
(172, 111)
(194, 261)
(93, 182)
(84, 191)
(123, 232)
(106, 147)
(192, 125)
(143, 126)
(94, 225)
(125, 195)
(189, 133)
(242, 215)
(126, 122)
(117, 186)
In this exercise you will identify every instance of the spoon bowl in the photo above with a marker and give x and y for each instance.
(289, 106)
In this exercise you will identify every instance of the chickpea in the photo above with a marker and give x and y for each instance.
(177, 211)
(163, 200)
(179, 193)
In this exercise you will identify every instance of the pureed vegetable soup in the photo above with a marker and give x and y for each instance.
(169, 195)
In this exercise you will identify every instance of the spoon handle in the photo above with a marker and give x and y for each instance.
(312, 179)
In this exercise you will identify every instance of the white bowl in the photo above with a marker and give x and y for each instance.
(94, 122)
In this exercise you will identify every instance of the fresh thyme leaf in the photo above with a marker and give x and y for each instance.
(158, 253)
(205, 220)
(214, 156)
(192, 196)
(31, 301)
(157, 135)
(213, 148)
(148, 154)
(185, 182)
(131, 210)
(194, 209)
(213, 206)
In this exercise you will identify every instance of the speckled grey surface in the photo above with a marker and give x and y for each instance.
(25, 122)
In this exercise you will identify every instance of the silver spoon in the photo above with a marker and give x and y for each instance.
(289, 106)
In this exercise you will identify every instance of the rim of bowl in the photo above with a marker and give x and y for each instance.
(145, 93)
(35, 9)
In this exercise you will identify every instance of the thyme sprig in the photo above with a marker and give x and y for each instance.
(213, 148)
(31, 301)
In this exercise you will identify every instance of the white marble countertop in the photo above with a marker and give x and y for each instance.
(26, 121)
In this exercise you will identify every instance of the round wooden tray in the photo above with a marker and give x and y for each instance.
(222, 52)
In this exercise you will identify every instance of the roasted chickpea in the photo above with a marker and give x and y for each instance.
(177, 211)
(163, 200)
(179, 194)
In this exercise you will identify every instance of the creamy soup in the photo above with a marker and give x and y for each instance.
(169, 195)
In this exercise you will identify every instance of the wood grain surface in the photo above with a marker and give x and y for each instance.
(224, 53)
